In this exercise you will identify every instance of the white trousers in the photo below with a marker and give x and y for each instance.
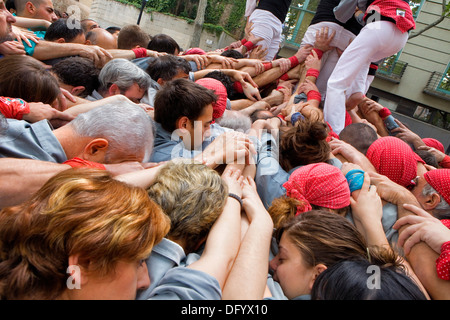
(268, 27)
(341, 40)
(376, 41)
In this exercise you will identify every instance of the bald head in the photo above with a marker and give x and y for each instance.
(102, 38)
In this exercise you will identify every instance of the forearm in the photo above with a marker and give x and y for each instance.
(46, 50)
(123, 54)
(21, 178)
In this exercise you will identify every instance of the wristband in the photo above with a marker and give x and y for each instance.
(385, 112)
(284, 77)
(140, 52)
(235, 196)
(249, 45)
(243, 41)
(319, 53)
(296, 116)
(237, 86)
(355, 179)
(312, 73)
(294, 61)
(267, 66)
(281, 116)
(314, 95)
(79, 163)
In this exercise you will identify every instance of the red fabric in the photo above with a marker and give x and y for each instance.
(331, 133)
(446, 222)
(284, 77)
(314, 95)
(431, 142)
(140, 52)
(294, 61)
(195, 51)
(267, 66)
(446, 162)
(13, 108)
(385, 112)
(237, 86)
(397, 10)
(319, 53)
(395, 159)
(320, 184)
(243, 41)
(80, 163)
(249, 45)
(312, 73)
(439, 179)
(443, 262)
(348, 119)
(221, 92)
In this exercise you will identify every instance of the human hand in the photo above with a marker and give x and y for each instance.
(391, 191)
(251, 201)
(313, 61)
(251, 92)
(21, 34)
(233, 179)
(439, 155)
(258, 52)
(61, 102)
(202, 61)
(421, 226)
(40, 111)
(306, 86)
(12, 48)
(155, 54)
(283, 63)
(402, 132)
(303, 52)
(97, 54)
(323, 39)
(367, 206)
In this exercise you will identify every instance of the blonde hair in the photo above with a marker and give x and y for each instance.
(78, 211)
(193, 196)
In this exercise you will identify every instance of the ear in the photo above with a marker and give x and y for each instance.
(182, 123)
(77, 271)
(96, 150)
(30, 8)
(160, 81)
(77, 90)
(431, 201)
(113, 90)
(318, 269)
(61, 40)
(88, 42)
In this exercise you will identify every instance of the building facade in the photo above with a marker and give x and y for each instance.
(414, 83)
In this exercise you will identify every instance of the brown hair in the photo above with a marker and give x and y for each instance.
(26, 78)
(131, 36)
(324, 237)
(303, 144)
(78, 211)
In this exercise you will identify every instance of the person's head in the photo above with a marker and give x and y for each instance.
(361, 279)
(193, 196)
(236, 120)
(83, 235)
(219, 89)
(231, 53)
(309, 244)
(434, 143)
(395, 159)
(111, 133)
(432, 190)
(114, 30)
(224, 78)
(121, 76)
(303, 144)
(359, 135)
(37, 9)
(78, 75)
(168, 67)
(164, 43)
(261, 115)
(102, 38)
(132, 36)
(88, 24)
(313, 186)
(59, 31)
(185, 106)
(24, 77)
(6, 21)
(427, 157)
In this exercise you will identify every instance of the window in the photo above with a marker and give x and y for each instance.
(298, 19)
(444, 83)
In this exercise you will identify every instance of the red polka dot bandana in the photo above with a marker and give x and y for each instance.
(443, 262)
(221, 93)
(395, 159)
(439, 179)
(320, 184)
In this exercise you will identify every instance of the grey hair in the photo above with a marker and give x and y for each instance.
(126, 126)
(442, 210)
(124, 74)
(235, 120)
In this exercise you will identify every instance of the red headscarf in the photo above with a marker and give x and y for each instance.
(395, 159)
(431, 142)
(320, 184)
(439, 179)
(221, 93)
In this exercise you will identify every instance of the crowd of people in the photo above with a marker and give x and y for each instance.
(132, 168)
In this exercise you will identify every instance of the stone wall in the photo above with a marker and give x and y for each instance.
(112, 13)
